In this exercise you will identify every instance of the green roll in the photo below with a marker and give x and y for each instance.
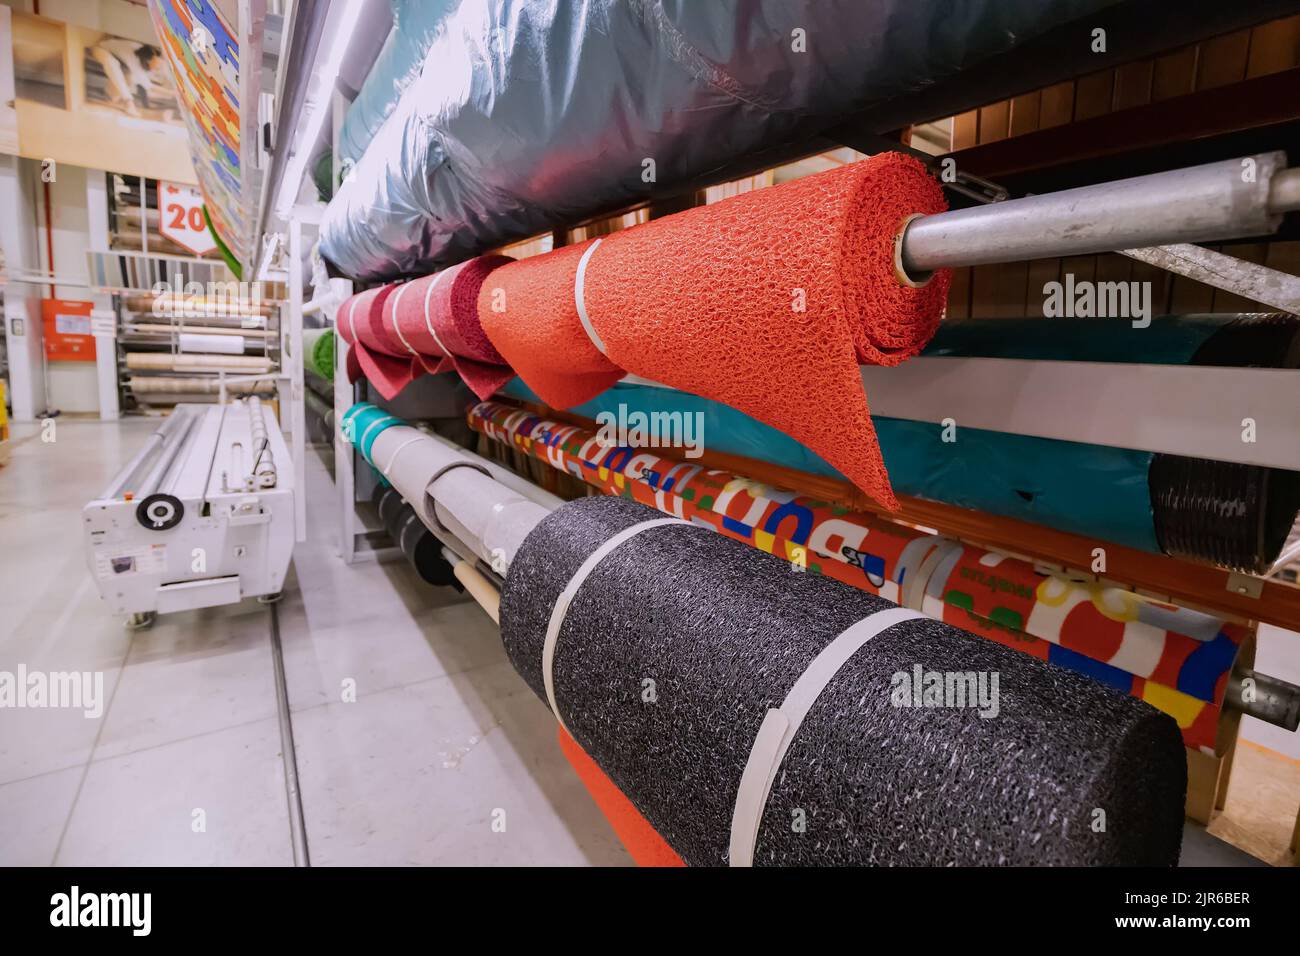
(318, 352)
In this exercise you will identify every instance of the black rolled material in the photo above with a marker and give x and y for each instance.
(1237, 516)
(388, 502)
(423, 551)
(723, 631)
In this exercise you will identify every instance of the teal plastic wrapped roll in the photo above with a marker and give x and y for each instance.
(1155, 503)
(363, 423)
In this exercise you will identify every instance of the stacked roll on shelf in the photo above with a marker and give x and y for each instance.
(700, 93)
(171, 348)
(1234, 515)
(538, 554)
(483, 511)
(399, 332)
(173, 362)
(318, 352)
(791, 698)
(423, 552)
(170, 389)
(1175, 658)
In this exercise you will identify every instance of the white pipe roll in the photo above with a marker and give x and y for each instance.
(487, 516)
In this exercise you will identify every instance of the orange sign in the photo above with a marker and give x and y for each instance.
(67, 330)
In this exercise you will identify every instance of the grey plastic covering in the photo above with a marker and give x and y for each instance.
(529, 114)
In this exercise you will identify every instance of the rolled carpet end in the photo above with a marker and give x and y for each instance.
(768, 302)
(679, 644)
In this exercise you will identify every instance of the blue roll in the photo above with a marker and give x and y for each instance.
(1099, 491)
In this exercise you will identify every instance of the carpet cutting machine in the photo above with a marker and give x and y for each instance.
(201, 516)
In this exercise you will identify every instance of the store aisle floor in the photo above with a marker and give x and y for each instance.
(182, 764)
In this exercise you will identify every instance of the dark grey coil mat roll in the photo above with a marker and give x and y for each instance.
(723, 631)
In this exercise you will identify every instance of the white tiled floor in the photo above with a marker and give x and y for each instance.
(184, 765)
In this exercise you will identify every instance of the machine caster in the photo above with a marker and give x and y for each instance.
(140, 620)
(271, 598)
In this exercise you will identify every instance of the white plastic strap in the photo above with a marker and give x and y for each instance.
(562, 602)
(781, 724)
(428, 320)
(352, 319)
(579, 285)
(913, 593)
(392, 459)
(378, 421)
(397, 326)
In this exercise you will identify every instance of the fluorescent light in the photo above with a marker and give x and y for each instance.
(339, 29)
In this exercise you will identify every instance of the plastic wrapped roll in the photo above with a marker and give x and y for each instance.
(318, 352)
(1236, 515)
(667, 653)
(166, 361)
(179, 385)
(530, 115)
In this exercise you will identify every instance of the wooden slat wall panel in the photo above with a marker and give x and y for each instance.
(965, 130)
(1040, 272)
(983, 291)
(1024, 113)
(1175, 74)
(995, 121)
(1112, 267)
(1284, 256)
(1056, 107)
(1017, 289)
(1274, 47)
(1093, 94)
(1160, 283)
(959, 294)
(1223, 60)
(1132, 85)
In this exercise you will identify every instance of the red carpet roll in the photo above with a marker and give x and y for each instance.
(768, 302)
(399, 332)
(528, 311)
(438, 316)
(373, 352)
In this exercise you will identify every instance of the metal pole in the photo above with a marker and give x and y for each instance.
(1224, 200)
(128, 471)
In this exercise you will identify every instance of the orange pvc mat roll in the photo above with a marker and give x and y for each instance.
(768, 301)
(645, 844)
(527, 310)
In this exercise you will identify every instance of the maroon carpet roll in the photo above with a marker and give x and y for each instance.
(373, 351)
(438, 316)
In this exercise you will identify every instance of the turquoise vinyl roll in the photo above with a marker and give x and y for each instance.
(1092, 490)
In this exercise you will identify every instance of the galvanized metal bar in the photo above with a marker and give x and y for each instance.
(1247, 279)
(1229, 199)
